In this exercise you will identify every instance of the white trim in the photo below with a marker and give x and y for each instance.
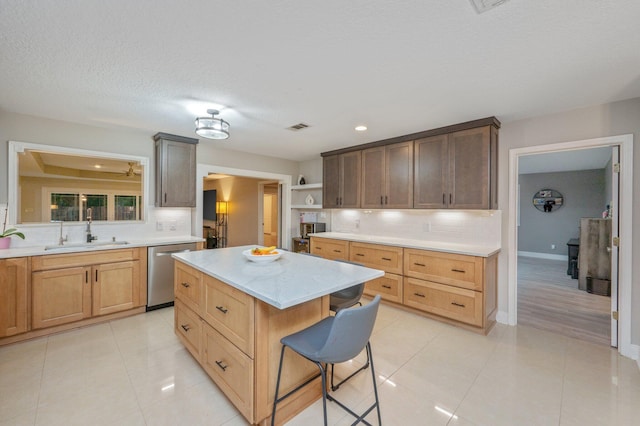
(626, 217)
(543, 255)
(16, 148)
(203, 171)
(502, 317)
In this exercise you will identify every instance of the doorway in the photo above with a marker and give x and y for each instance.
(621, 300)
(270, 214)
(245, 215)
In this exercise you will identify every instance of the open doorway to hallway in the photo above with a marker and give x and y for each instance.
(621, 296)
(563, 195)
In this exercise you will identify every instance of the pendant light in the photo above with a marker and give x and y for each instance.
(212, 127)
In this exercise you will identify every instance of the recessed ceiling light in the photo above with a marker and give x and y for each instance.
(361, 128)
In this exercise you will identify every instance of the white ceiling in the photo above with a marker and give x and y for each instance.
(397, 66)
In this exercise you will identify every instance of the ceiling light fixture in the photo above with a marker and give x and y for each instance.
(212, 127)
(361, 128)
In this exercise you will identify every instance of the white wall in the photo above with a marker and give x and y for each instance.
(178, 222)
(616, 118)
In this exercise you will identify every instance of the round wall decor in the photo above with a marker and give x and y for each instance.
(548, 200)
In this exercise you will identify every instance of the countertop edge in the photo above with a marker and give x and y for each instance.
(40, 251)
(455, 248)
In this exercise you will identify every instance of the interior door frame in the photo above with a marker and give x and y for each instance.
(261, 197)
(625, 217)
(284, 181)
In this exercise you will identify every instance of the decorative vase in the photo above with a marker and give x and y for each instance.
(301, 180)
(5, 242)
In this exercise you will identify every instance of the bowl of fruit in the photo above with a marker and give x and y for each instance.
(262, 254)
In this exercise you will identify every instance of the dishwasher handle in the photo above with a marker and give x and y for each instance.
(169, 253)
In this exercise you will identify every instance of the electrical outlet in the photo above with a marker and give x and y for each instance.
(159, 226)
(173, 225)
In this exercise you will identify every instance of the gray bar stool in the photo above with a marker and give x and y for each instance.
(333, 340)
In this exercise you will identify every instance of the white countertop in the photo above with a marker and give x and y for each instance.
(288, 281)
(73, 247)
(467, 249)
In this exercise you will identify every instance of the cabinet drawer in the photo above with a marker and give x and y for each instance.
(444, 300)
(187, 285)
(57, 261)
(388, 287)
(230, 369)
(231, 312)
(330, 249)
(446, 268)
(377, 256)
(188, 327)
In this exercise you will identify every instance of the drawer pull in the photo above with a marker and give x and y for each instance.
(359, 254)
(185, 327)
(458, 270)
(337, 251)
(222, 309)
(185, 285)
(387, 259)
(458, 304)
(419, 294)
(222, 365)
(386, 286)
(419, 264)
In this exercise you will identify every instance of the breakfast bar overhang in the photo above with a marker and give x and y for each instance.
(230, 313)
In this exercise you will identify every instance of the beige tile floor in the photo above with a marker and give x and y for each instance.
(134, 371)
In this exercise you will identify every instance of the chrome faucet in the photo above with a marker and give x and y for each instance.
(88, 230)
(61, 240)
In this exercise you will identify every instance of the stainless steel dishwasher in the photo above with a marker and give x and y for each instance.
(160, 273)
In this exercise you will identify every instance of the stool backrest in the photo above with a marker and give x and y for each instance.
(349, 334)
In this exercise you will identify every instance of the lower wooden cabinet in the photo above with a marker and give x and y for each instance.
(388, 287)
(236, 340)
(230, 368)
(330, 249)
(72, 287)
(14, 286)
(447, 301)
(188, 327)
(456, 288)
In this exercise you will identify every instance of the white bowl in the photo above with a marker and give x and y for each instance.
(262, 258)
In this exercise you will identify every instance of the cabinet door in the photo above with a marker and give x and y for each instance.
(175, 174)
(116, 287)
(431, 171)
(330, 182)
(60, 296)
(350, 179)
(373, 174)
(398, 176)
(13, 296)
(469, 168)
(330, 249)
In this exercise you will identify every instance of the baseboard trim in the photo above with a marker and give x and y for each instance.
(543, 255)
(502, 317)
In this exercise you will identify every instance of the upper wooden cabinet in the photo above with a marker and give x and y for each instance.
(452, 167)
(341, 180)
(175, 171)
(457, 170)
(387, 176)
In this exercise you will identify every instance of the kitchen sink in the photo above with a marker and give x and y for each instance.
(92, 245)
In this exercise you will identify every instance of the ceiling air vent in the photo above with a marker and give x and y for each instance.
(484, 5)
(297, 127)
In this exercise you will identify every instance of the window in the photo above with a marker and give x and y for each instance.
(73, 207)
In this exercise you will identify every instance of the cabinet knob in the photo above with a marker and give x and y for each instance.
(387, 259)
(419, 264)
(458, 270)
(386, 286)
(419, 294)
(185, 285)
(185, 327)
(222, 309)
(458, 304)
(222, 365)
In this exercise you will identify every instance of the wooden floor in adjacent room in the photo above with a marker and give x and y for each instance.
(549, 299)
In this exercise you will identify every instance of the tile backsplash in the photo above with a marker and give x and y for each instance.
(478, 227)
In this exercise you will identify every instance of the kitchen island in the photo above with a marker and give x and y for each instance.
(231, 313)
